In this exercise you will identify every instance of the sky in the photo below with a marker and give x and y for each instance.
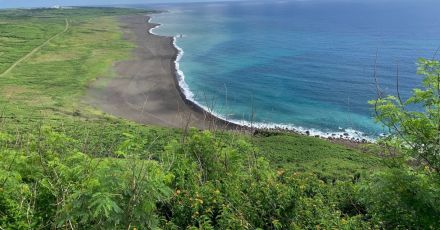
(48, 3)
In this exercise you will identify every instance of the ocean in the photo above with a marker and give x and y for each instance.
(301, 65)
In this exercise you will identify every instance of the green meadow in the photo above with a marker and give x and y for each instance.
(53, 79)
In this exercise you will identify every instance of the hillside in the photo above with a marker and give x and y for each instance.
(65, 164)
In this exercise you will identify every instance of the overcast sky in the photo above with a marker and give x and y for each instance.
(45, 3)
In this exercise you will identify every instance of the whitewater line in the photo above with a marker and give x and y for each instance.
(344, 134)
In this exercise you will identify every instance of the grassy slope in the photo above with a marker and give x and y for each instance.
(54, 78)
(308, 154)
(47, 89)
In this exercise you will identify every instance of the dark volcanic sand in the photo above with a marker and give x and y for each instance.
(145, 89)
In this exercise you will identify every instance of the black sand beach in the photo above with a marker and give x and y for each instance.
(146, 89)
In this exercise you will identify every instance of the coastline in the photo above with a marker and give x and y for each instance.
(148, 89)
(184, 91)
(347, 136)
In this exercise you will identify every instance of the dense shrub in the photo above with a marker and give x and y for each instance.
(401, 198)
(407, 197)
(204, 181)
(46, 184)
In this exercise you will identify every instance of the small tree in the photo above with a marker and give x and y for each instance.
(405, 197)
(414, 124)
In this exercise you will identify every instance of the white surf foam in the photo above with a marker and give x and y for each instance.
(180, 75)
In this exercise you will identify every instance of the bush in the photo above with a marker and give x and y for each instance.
(63, 188)
(206, 181)
(401, 198)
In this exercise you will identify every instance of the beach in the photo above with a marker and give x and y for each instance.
(145, 89)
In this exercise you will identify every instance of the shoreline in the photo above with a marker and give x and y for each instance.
(179, 78)
(261, 128)
(147, 89)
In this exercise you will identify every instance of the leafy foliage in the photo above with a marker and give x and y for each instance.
(66, 188)
(415, 133)
(401, 198)
(205, 181)
(407, 197)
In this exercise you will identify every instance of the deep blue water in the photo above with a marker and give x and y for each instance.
(304, 64)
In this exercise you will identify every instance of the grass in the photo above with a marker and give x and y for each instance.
(57, 75)
(312, 155)
(17, 39)
(48, 88)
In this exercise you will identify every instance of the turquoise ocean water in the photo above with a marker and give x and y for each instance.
(304, 65)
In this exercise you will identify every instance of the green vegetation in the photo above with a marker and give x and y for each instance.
(304, 154)
(415, 138)
(416, 133)
(53, 78)
(208, 182)
(65, 165)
